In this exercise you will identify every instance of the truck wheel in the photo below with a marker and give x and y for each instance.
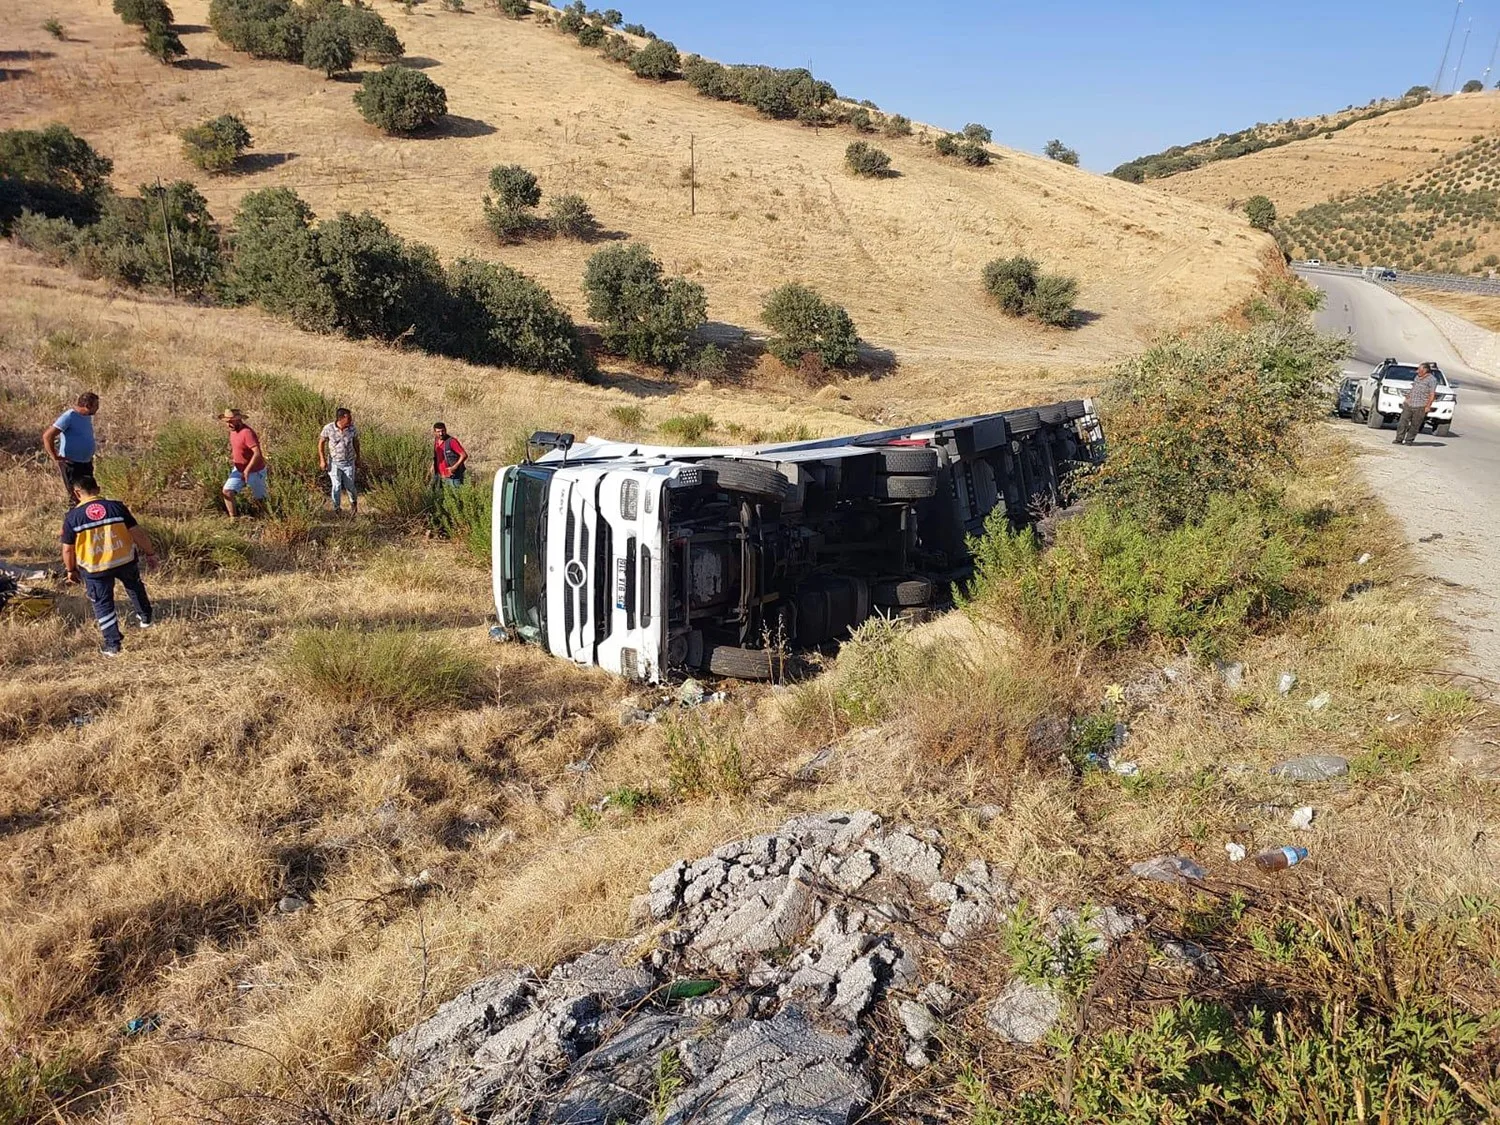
(905, 488)
(1373, 418)
(754, 478)
(898, 460)
(1443, 429)
(903, 592)
(740, 663)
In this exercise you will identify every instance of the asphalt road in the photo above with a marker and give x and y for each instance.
(1447, 488)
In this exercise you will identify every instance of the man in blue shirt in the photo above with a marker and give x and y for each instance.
(70, 442)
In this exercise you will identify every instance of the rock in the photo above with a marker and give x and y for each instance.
(1286, 683)
(1192, 955)
(290, 904)
(1320, 701)
(855, 991)
(854, 872)
(939, 997)
(916, 1057)
(1233, 675)
(601, 972)
(666, 891)
(1024, 1012)
(618, 1077)
(1168, 869)
(632, 715)
(1363, 559)
(968, 918)
(1312, 767)
(836, 831)
(944, 894)
(903, 854)
(988, 814)
(918, 1021)
(779, 1071)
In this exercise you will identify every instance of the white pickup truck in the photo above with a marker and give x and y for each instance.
(653, 561)
(1377, 398)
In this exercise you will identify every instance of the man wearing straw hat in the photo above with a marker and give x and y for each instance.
(248, 461)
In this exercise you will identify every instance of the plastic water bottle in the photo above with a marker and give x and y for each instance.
(1279, 859)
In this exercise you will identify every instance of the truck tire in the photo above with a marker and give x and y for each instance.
(739, 663)
(1443, 429)
(1020, 422)
(753, 478)
(902, 592)
(1373, 418)
(905, 487)
(898, 460)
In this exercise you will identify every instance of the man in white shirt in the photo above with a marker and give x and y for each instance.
(338, 456)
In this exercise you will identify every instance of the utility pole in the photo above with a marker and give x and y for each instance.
(1493, 51)
(1437, 83)
(1462, 51)
(692, 174)
(166, 229)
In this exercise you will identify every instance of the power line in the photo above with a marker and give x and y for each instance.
(1437, 83)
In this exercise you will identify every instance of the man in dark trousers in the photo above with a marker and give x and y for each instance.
(101, 542)
(449, 458)
(70, 442)
(1416, 404)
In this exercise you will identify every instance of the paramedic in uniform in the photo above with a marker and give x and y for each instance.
(102, 542)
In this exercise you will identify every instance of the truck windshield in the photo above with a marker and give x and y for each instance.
(525, 514)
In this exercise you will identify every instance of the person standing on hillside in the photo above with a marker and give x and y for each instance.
(101, 542)
(247, 459)
(449, 458)
(338, 456)
(70, 442)
(1416, 404)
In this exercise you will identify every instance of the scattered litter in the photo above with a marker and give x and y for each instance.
(421, 879)
(1393, 718)
(811, 768)
(1124, 769)
(1354, 589)
(1233, 675)
(1312, 767)
(1168, 869)
(1287, 682)
(81, 720)
(1301, 818)
(1319, 701)
(690, 989)
(1192, 955)
(583, 765)
(691, 693)
(498, 633)
(1172, 674)
(290, 904)
(1364, 558)
(1279, 859)
(1235, 852)
(630, 714)
(1436, 535)
(140, 1025)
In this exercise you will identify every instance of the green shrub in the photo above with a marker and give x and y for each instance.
(276, 263)
(1260, 211)
(619, 49)
(464, 516)
(703, 760)
(569, 217)
(401, 100)
(896, 125)
(215, 145)
(372, 38)
(1052, 301)
(1020, 289)
(143, 13)
(631, 418)
(591, 35)
(658, 59)
(327, 47)
(864, 159)
(54, 27)
(129, 244)
(689, 429)
(1472, 86)
(52, 172)
(642, 313)
(637, 29)
(1056, 150)
(859, 117)
(398, 671)
(265, 29)
(709, 362)
(515, 9)
(978, 133)
(502, 317)
(508, 214)
(967, 149)
(378, 284)
(709, 78)
(162, 43)
(33, 1090)
(807, 325)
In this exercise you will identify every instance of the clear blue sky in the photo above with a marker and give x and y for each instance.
(1113, 78)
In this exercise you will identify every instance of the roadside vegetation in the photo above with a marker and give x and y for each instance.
(1019, 287)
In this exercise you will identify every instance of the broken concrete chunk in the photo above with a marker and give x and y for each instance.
(1233, 675)
(903, 854)
(837, 831)
(1312, 767)
(945, 894)
(1192, 955)
(1024, 1012)
(969, 918)
(601, 973)
(918, 1021)
(666, 891)
(855, 991)
(854, 872)
(939, 997)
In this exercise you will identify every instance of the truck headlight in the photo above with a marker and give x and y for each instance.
(630, 493)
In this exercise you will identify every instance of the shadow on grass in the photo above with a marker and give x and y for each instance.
(199, 64)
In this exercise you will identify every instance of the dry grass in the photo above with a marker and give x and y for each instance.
(1394, 147)
(1482, 309)
(904, 255)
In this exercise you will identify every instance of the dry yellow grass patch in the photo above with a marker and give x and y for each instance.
(1394, 146)
(1482, 309)
(774, 202)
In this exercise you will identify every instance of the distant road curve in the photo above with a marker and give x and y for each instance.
(1448, 487)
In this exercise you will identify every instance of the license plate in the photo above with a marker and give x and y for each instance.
(620, 583)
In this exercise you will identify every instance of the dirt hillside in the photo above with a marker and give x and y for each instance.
(774, 202)
(1394, 146)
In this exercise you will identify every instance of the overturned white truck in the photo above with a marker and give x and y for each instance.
(651, 561)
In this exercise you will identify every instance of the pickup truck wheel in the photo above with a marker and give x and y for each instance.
(1443, 429)
(1373, 418)
(898, 460)
(750, 477)
(905, 488)
(740, 663)
(904, 592)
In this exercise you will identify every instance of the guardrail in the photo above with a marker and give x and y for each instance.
(1455, 282)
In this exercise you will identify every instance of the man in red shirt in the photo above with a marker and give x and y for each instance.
(247, 459)
(448, 458)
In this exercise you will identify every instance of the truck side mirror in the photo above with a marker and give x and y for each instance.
(548, 439)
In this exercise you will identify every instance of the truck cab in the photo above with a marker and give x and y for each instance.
(651, 561)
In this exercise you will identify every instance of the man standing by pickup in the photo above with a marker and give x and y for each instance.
(1416, 404)
(70, 442)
